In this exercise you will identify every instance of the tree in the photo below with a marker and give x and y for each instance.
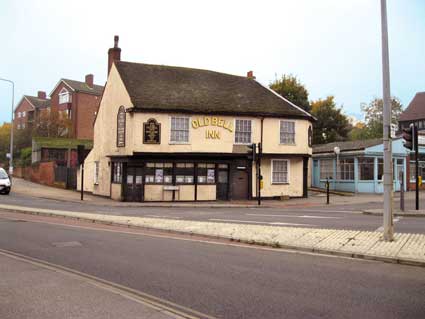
(373, 113)
(332, 125)
(359, 132)
(291, 89)
(53, 124)
(4, 144)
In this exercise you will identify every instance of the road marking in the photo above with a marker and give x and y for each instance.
(295, 216)
(258, 222)
(162, 216)
(157, 303)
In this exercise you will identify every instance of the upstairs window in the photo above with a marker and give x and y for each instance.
(64, 96)
(243, 130)
(179, 129)
(23, 114)
(287, 132)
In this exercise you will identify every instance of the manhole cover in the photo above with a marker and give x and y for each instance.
(67, 244)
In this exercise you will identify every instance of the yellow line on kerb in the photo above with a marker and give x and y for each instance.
(157, 303)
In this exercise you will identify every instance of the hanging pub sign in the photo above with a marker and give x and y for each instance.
(151, 132)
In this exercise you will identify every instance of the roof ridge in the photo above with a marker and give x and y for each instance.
(183, 68)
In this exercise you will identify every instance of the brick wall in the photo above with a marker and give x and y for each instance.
(24, 106)
(86, 107)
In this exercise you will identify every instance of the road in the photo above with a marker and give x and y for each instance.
(335, 216)
(218, 278)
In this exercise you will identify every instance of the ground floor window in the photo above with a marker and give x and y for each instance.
(326, 168)
(117, 173)
(346, 169)
(366, 168)
(280, 171)
(96, 173)
(159, 173)
(421, 171)
(206, 173)
(185, 173)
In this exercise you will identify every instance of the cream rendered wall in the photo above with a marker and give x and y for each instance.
(116, 191)
(199, 143)
(295, 186)
(105, 132)
(207, 192)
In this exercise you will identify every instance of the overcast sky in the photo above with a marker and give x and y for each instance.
(332, 46)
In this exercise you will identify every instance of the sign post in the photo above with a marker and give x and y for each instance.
(81, 158)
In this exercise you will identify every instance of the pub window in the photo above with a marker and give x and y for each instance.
(287, 132)
(326, 168)
(280, 171)
(206, 173)
(185, 173)
(64, 96)
(117, 173)
(243, 129)
(96, 173)
(366, 168)
(179, 129)
(121, 127)
(159, 173)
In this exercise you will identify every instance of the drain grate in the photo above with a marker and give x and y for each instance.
(67, 244)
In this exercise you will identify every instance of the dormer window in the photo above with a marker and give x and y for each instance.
(64, 96)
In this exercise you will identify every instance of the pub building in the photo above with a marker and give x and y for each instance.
(165, 133)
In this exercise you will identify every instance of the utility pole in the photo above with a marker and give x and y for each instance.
(388, 172)
(11, 126)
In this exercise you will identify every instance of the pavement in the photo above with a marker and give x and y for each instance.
(32, 290)
(219, 278)
(405, 249)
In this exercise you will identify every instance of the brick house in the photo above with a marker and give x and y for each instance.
(78, 101)
(28, 110)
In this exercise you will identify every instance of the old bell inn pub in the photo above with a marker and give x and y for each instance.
(166, 133)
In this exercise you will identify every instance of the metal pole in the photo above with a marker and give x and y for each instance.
(417, 167)
(82, 181)
(327, 191)
(402, 191)
(11, 126)
(388, 174)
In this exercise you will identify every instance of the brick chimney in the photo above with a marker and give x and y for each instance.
(250, 75)
(89, 80)
(41, 95)
(114, 54)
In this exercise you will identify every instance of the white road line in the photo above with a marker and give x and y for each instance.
(323, 211)
(295, 216)
(257, 222)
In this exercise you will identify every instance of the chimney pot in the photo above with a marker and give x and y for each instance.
(114, 54)
(41, 95)
(89, 80)
(250, 75)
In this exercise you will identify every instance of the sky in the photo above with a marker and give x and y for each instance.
(332, 46)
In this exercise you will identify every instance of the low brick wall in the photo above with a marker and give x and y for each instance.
(41, 173)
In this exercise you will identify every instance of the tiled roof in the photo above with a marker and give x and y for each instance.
(346, 146)
(83, 87)
(178, 89)
(37, 102)
(416, 109)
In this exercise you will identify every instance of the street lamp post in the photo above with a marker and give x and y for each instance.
(388, 172)
(337, 151)
(11, 126)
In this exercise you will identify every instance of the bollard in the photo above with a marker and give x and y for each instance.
(402, 191)
(327, 191)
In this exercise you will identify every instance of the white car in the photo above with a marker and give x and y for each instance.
(5, 183)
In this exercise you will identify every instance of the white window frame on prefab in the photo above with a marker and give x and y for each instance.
(96, 173)
(243, 132)
(174, 139)
(286, 137)
(288, 169)
(64, 96)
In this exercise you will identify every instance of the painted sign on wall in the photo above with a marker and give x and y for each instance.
(151, 132)
(212, 121)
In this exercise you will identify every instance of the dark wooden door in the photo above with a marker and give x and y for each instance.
(240, 184)
(223, 184)
(134, 184)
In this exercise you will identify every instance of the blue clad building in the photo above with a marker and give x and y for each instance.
(357, 166)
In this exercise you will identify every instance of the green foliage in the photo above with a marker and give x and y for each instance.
(4, 144)
(373, 113)
(290, 88)
(25, 156)
(64, 143)
(332, 125)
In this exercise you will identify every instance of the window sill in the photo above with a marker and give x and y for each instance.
(178, 143)
(242, 143)
(280, 183)
(288, 144)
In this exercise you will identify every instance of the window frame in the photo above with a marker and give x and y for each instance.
(250, 133)
(188, 118)
(62, 94)
(280, 132)
(288, 165)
